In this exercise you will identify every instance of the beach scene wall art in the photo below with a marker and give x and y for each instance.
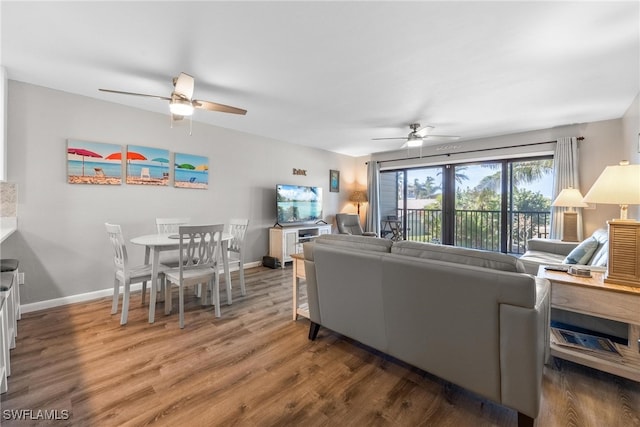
(88, 163)
(191, 171)
(147, 165)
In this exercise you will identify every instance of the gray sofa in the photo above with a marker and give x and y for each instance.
(546, 251)
(471, 317)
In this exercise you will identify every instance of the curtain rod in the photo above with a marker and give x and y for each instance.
(579, 138)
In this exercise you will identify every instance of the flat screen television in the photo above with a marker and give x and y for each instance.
(298, 204)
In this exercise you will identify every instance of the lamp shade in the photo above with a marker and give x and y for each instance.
(617, 185)
(571, 198)
(358, 196)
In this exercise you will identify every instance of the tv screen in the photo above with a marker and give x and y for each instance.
(298, 204)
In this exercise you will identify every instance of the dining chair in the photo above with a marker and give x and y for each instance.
(126, 274)
(238, 229)
(170, 225)
(200, 250)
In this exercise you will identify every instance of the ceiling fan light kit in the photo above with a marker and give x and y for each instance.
(181, 107)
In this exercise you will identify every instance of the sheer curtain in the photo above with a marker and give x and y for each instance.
(565, 174)
(372, 222)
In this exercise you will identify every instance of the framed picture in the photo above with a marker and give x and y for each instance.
(334, 181)
(639, 143)
(93, 163)
(191, 171)
(147, 165)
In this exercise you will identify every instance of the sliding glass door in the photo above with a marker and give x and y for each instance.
(494, 205)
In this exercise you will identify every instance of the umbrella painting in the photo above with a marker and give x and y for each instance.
(186, 175)
(87, 163)
(147, 165)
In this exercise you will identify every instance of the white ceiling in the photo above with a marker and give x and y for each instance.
(333, 75)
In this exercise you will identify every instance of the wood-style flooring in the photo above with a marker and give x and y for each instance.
(254, 366)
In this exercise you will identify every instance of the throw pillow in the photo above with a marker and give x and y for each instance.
(583, 252)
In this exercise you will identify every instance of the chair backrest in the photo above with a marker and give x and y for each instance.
(120, 259)
(238, 229)
(200, 246)
(170, 225)
(144, 173)
(349, 224)
(99, 172)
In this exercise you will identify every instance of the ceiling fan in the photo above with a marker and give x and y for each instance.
(418, 134)
(181, 103)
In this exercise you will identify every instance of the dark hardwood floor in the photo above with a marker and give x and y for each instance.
(254, 366)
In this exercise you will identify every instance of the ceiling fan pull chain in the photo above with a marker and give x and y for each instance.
(190, 125)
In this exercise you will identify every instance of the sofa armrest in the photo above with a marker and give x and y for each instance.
(524, 344)
(551, 246)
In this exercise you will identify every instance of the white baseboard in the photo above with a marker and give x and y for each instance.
(90, 296)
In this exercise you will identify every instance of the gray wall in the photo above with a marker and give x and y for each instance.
(61, 241)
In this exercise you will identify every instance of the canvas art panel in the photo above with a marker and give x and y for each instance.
(191, 171)
(147, 165)
(90, 163)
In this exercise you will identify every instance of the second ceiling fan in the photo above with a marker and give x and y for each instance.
(418, 135)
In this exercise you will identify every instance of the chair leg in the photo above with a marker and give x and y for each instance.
(116, 295)
(215, 295)
(181, 304)
(125, 304)
(144, 292)
(243, 291)
(167, 298)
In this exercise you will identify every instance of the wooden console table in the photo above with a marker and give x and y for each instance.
(593, 297)
(301, 309)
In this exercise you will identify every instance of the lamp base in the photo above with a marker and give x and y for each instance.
(623, 266)
(570, 227)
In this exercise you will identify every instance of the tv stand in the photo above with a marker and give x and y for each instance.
(285, 241)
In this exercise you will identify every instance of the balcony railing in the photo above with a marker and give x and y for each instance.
(477, 229)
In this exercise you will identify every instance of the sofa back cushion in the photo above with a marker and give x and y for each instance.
(357, 242)
(473, 257)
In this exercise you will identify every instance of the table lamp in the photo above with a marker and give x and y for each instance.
(357, 197)
(620, 185)
(570, 198)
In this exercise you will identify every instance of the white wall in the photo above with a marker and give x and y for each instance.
(61, 241)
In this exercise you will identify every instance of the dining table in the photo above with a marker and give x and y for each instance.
(159, 242)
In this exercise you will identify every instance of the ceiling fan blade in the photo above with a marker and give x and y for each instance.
(184, 84)
(380, 139)
(441, 137)
(423, 131)
(212, 106)
(135, 94)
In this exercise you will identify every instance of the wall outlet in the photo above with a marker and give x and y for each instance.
(21, 278)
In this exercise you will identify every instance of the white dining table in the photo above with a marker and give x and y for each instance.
(159, 242)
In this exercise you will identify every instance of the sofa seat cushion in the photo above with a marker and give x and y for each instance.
(357, 242)
(583, 252)
(532, 260)
(472, 257)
